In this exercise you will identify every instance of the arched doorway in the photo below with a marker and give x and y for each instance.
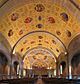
(62, 69)
(75, 63)
(3, 63)
(16, 67)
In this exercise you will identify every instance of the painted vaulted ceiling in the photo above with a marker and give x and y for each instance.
(39, 30)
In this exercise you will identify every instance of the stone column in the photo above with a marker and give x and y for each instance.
(68, 64)
(57, 69)
(21, 67)
(70, 75)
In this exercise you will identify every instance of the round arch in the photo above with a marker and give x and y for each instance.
(73, 47)
(42, 48)
(35, 32)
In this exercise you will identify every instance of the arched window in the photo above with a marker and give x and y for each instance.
(16, 67)
(3, 63)
(75, 63)
(62, 67)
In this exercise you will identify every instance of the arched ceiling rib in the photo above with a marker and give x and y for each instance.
(39, 38)
(76, 3)
(2, 2)
(41, 50)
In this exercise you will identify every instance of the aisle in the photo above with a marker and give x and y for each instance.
(39, 81)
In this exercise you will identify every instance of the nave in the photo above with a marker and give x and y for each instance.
(40, 41)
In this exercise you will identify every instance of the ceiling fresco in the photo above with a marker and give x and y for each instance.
(40, 55)
(39, 25)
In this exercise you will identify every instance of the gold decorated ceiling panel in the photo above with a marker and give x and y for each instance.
(40, 39)
(39, 16)
(38, 62)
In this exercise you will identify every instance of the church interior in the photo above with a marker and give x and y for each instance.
(39, 41)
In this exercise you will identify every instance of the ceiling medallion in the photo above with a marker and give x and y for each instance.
(27, 48)
(45, 57)
(57, 50)
(51, 48)
(40, 37)
(51, 20)
(39, 26)
(28, 20)
(39, 8)
(58, 32)
(32, 42)
(39, 44)
(22, 49)
(10, 33)
(39, 18)
(34, 57)
(53, 41)
(68, 33)
(47, 42)
(14, 16)
(25, 42)
(64, 17)
(39, 40)
(20, 32)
